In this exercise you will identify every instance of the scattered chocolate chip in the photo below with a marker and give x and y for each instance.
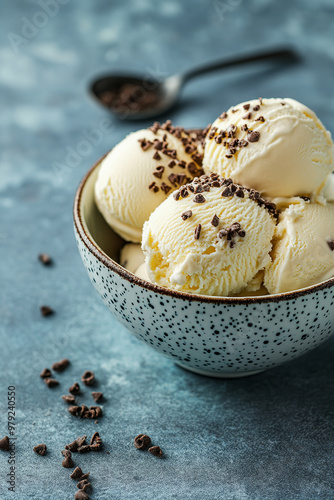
(77, 473)
(231, 130)
(227, 192)
(244, 127)
(40, 449)
(171, 164)
(260, 119)
(243, 143)
(51, 382)
(46, 311)
(97, 396)
(45, 259)
(145, 144)
(330, 243)
(156, 156)
(96, 442)
(228, 156)
(75, 410)
(222, 233)
(199, 198)
(186, 215)
(306, 198)
(240, 193)
(158, 145)
(142, 441)
(176, 195)
(46, 373)
(223, 115)
(247, 117)
(283, 103)
(256, 108)
(197, 233)
(74, 389)
(215, 220)
(67, 463)
(165, 188)
(4, 443)
(153, 187)
(60, 366)
(81, 495)
(232, 244)
(260, 100)
(159, 171)
(156, 451)
(241, 233)
(246, 107)
(86, 476)
(73, 447)
(69, 399)
(184, 193)
(253, 136)
(88, 377)
(84, 485)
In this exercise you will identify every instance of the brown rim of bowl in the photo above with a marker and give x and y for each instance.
(121, 271)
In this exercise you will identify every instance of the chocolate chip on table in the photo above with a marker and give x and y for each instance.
(81, 495)
(75, 410)
(142, 441)
(46, 311)
(81, 440)
(84, 485)
(67, 463)
(77, 473)
(72, 447)
(97, 396)
(88, 377)
(4, 443)
(96, 442)
(156, 451)
(74, 389)
(46, 373)
(69, 399)
(60, 366)
(45, 259)
(40, 449)
(330, 243)
(51, 382)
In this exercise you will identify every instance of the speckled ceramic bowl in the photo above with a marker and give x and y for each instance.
(215, 336)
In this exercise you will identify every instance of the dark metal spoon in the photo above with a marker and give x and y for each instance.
(137, 98)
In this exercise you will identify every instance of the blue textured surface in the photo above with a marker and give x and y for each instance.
(266, 437)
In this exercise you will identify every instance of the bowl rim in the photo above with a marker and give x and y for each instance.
(93, 248)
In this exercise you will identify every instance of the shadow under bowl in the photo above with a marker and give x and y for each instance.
(213, 336)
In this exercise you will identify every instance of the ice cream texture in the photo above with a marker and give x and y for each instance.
(209, 237)
(303, 247)
(139, 173)
(276, 146)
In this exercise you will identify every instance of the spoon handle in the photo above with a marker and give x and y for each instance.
(283, 53)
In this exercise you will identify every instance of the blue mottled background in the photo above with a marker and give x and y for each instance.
(266, 437)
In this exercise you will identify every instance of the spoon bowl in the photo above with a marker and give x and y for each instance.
(132, 97)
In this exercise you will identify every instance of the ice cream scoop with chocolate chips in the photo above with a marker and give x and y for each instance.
(209, 237)
(277, 146)
(140, 172)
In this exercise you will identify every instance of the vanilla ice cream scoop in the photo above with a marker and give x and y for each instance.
(303, 247)
(277, 146)
(210, 237)
(140, 172)
(132, 257)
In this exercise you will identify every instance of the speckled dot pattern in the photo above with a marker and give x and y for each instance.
(218, 339)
